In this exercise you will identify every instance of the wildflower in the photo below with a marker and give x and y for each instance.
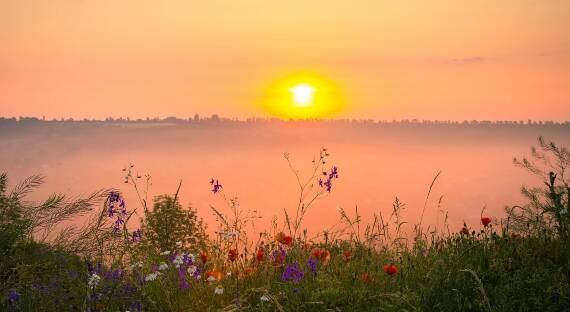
(219, 290)
(365, 277)
(464, 231)
(284, 239)
(292, 273)
(137, 264)
(212, 276)
(165, 253)
(390, 269)
(203, 256)
(152, 276)
(312, 264)
(188, 258)
(182, 283)
(163, 266)
(327, 184)
(136, 236)
(321, 254)
(260, 255)
(179, 244)
(13, 296)
(178, 260)
(93, 281)
(116, 207)
(232, 255)
(192, 269)
(265, 298)
(279, 255)
(563, 211)
(347, 255)
(485, 221)
(216, 186)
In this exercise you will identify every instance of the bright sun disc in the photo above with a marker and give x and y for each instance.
(302, 95)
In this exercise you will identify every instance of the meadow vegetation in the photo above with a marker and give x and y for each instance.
(165, 261)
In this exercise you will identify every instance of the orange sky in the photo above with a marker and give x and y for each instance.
(506, 59)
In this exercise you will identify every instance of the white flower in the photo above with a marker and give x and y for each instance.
(178, 244)
(178, 261)
(93, 280)
(192, 269)
(137, 264)
(198, 277)
(564, 211)
(163, 266)
(211, 278)
(219, 290)
(264, 298)
(229, 274)
(165, 253)
(152, 276)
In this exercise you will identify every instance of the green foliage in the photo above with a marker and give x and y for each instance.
(168, 223)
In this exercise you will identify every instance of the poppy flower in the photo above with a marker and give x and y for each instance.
(203, 256)
(486, 221)
(260, 255)
(321, 254)
(365, 277)
(213, 276)
(232, 255)
(390, 269)
(347, 255)
(284, 238)
(464, 231)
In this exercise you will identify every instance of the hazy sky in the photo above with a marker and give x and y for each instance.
(507, 59)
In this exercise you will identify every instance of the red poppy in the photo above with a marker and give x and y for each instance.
(486, 221)
(203, 256)
(260, 255)
(232, 254)
(464, 231)
(217, 275)
(365, 277)
(390, 269)
(284, 239)
(347, 255)
(321, 254)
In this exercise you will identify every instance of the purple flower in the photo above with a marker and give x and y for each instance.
(292, 273)
(216, 186)
(13, 296)
(312, 264)
(116, 206)
(182, 279)
(136, 236)
(327, 184)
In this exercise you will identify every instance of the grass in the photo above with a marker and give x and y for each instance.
(517, 263)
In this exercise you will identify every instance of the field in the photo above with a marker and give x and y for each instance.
(156, 255)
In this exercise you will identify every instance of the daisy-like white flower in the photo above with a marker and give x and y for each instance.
(93, 281)
(265, 298)
(137, 265)
(192, 269)
(163, 266)
(178, 244)
(152, 276)
(165, 253)
(178, 261)
(211, 279)
(219, 290)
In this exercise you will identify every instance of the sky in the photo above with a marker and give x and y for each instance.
(440, 59)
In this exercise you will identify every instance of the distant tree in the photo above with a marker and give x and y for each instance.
(168, 223)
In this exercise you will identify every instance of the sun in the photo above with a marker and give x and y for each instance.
(302, 96)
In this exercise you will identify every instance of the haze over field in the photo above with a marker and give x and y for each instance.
(376, 162)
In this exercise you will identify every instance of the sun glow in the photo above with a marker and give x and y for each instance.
(302, 96)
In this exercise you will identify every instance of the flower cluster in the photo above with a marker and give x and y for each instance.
(116, 209)
(216, 186)
(292, 273)
(329, 177)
